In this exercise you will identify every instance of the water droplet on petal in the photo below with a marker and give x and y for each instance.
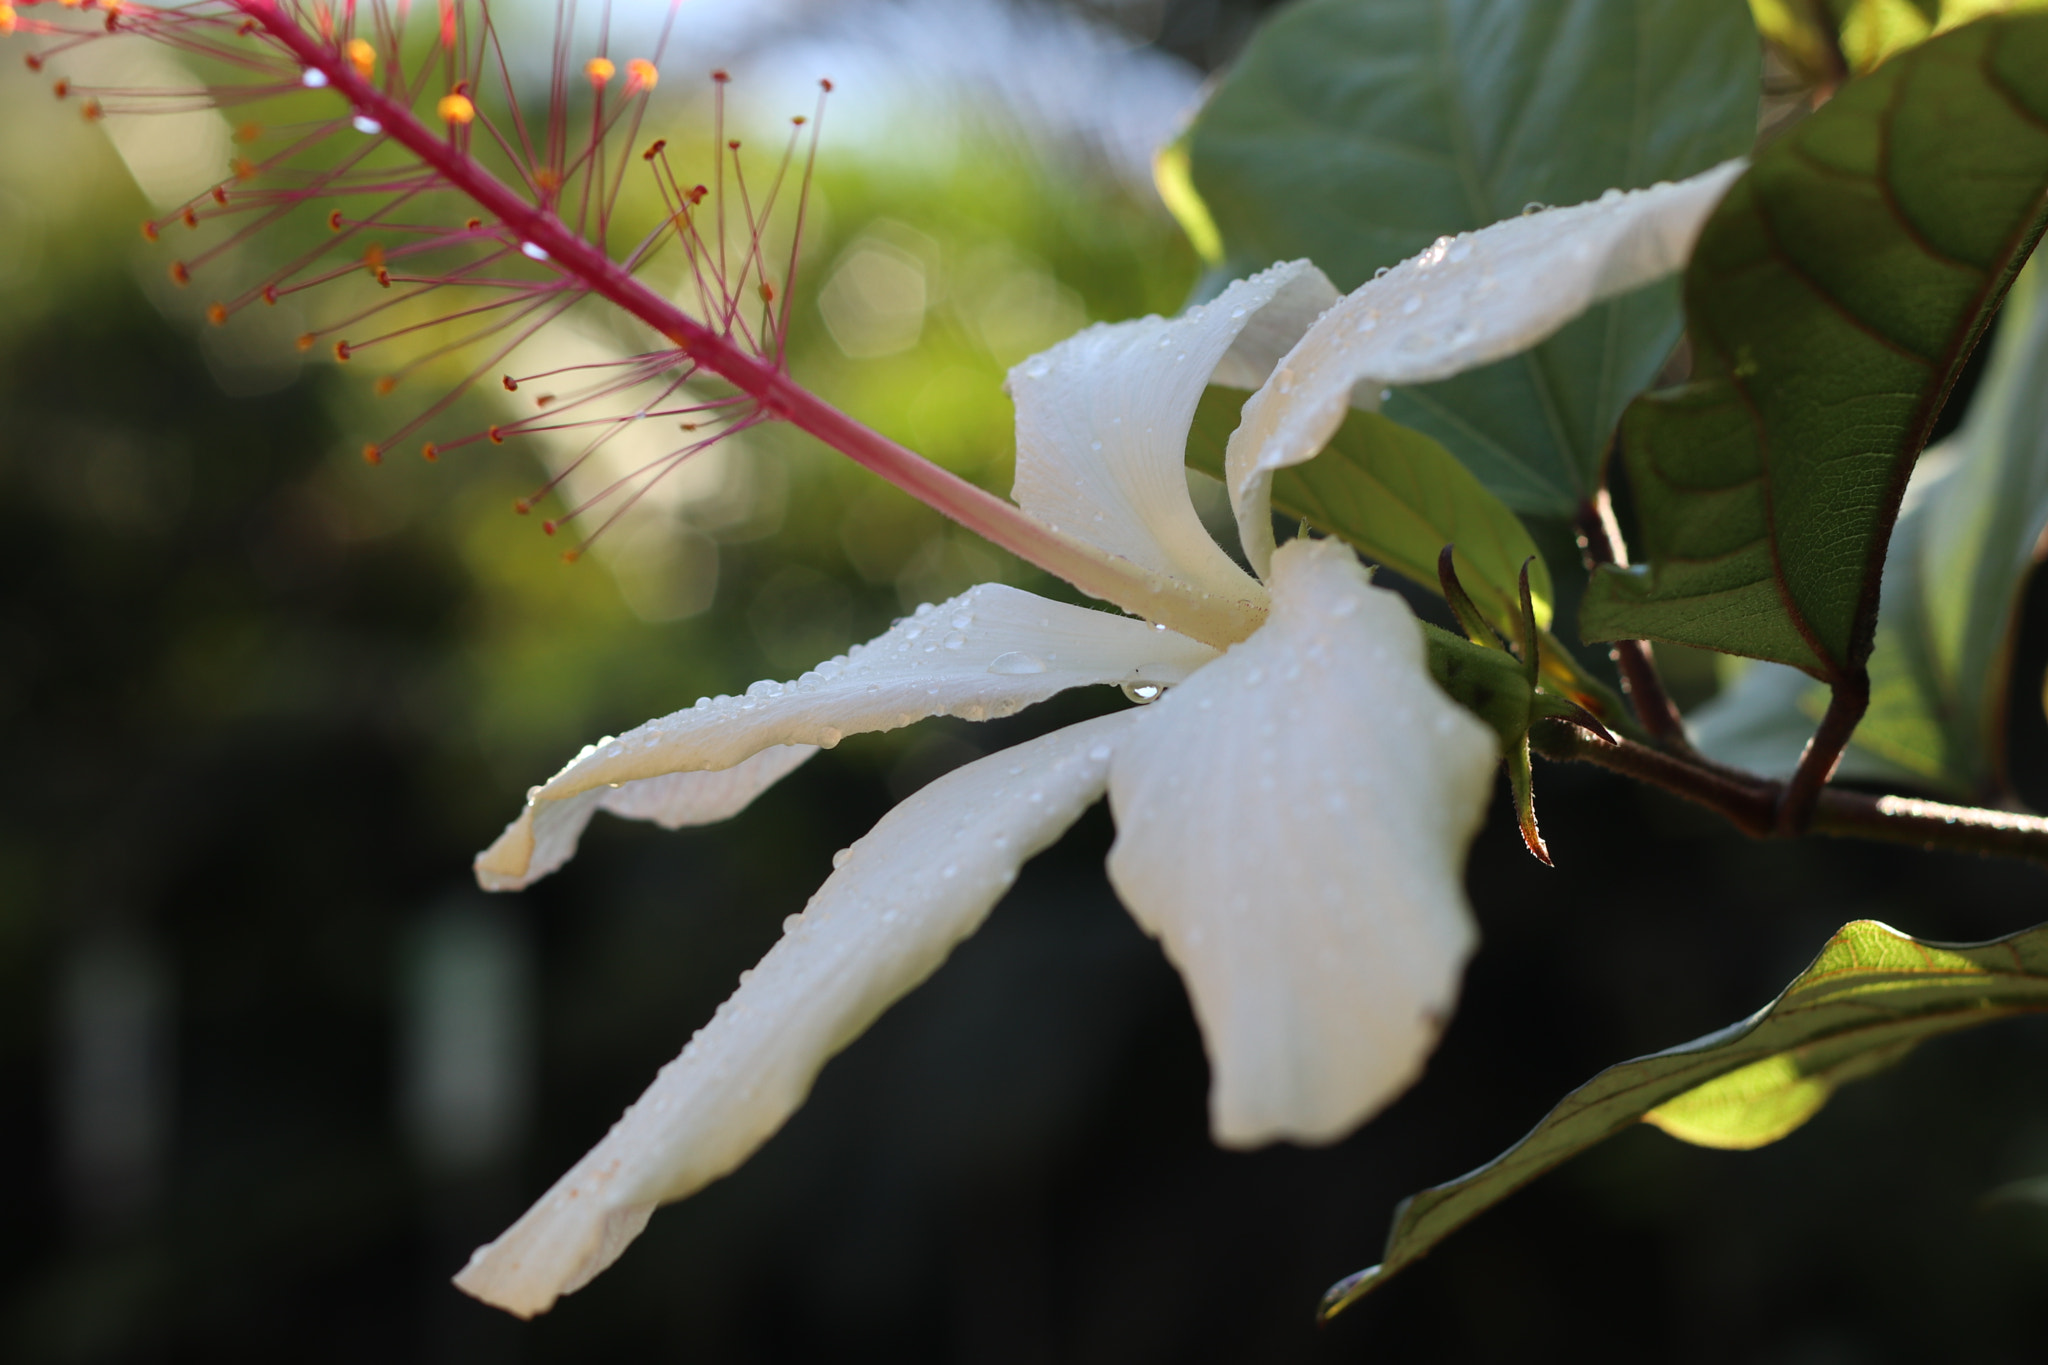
(1100, 753)
(955, 640)
(962, 620)
(839, 858)
(1015, 663)
(1412, 304)
(1144, 693)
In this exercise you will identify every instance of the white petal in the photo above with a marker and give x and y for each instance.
(1292, 825)
(1103, 418)
(989, 652)
(673, 801)
(1467, 301)
(921, 881)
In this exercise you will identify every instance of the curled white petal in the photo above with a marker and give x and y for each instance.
(1466, 301)
(673, 801)
(1103, 418)
(1292, 825)
(921, 881)
(989, 652)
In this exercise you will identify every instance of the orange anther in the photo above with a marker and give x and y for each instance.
(220, 195)
(497, 435)
(248, 132)
(430, 452)
(797, 120)
(473, 224)
(825, 86)
(342, 350)
(372, 455)
(32, 62)
(641, 75)
(306, 340)
(385, 384)
(179, 274)
(7, 20)
(511, 384)
(90, 110)
(62, 87)
(456, 109)
(384, 278)
(571, 556)
(721, 75)
(545, 179)
(148, 231)
(767, 292)
(543, 400)
(600, 70)
(734, 144)
(547, 528)
(269, 294)
(373, 257)
(362, 57)
(522, 506)
(244, 168)
(190, 219)
(654, 149)
(217, 315)
(334, 221)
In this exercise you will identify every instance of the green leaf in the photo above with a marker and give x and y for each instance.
(1400, 497)
(1941, 666)
(1832, 300)
(1871, 995)
(1354, 132)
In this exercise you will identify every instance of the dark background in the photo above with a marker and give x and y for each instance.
(262, 705)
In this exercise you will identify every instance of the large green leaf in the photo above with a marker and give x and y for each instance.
(1354, 132)
(1832, 300)
(1941, 666)
(1871, 995)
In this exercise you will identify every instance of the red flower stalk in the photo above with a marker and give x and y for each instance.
(528, 238)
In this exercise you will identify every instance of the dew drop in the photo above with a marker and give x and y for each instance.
(839, 858)
(790, 922)
(533, 251)
(962, 620)
(1016, 663)
(366, 125)
(1412, 304)
(314, 78)
(1344, 606)
(1100, 753)
(955, 640)
(1381, 271)
(1144, 693)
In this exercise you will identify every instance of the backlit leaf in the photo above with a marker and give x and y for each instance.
(1871, 995)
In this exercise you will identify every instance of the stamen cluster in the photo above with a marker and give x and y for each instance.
(462, 216)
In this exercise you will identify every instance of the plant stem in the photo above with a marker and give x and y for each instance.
(1600, 539)
(1752, 804)
(1152, 596)
(1846, 705)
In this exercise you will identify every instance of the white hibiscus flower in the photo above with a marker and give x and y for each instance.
(1292, 813)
